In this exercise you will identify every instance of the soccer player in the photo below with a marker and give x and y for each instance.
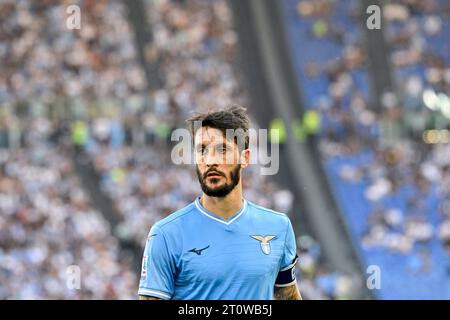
(220, 246)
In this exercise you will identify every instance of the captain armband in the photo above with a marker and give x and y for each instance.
(286, 276)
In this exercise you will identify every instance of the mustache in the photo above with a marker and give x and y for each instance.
(214, 172)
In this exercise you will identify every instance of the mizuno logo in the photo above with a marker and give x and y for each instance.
(264, 241)
(198, 251)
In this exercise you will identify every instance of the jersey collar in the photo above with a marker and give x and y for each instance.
(218, 218)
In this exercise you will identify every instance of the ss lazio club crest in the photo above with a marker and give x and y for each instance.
(264, 242)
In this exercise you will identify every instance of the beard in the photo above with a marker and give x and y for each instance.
(223, 190)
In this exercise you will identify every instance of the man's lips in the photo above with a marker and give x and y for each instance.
(214, 175)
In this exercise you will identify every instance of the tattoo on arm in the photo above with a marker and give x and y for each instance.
(148, 298)
(288, 293)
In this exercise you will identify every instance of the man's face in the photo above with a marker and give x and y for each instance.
(217, 162)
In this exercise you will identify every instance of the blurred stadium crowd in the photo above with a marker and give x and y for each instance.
(47, 224)
(392, 184)
(47, 220)
(67, 94)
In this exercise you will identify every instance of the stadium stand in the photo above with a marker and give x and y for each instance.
(47, 220)
(391, 185)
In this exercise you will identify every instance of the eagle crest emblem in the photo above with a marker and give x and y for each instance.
(264, 242)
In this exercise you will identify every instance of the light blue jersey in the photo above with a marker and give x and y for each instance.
(194, 254)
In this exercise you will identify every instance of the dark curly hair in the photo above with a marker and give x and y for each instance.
(234, 117)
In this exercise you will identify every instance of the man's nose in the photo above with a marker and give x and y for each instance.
(212, 158)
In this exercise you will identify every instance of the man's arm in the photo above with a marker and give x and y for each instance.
(148, 298)
(288, 293)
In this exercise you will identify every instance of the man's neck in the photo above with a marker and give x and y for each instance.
(224, 207)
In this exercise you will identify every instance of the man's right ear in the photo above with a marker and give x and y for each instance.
(245, 158)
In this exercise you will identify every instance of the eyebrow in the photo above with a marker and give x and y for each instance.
(223, 144)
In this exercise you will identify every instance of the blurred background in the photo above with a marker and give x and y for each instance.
(363, 120)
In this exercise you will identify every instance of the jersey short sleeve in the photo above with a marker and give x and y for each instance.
(290, 247)
(158, 267)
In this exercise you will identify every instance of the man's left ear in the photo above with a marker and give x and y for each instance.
(245, 158)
